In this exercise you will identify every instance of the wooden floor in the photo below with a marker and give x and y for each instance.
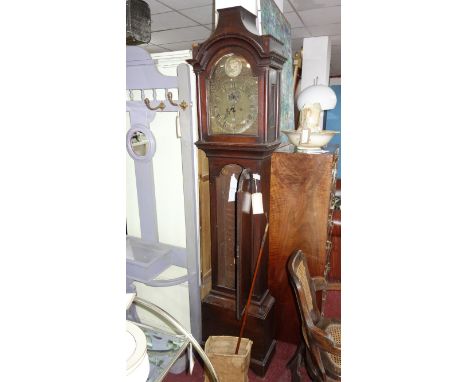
(277, 372)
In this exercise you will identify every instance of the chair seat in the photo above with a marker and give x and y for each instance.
(331, 362)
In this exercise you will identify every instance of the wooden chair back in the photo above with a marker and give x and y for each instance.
(319, 333)
(304, 288)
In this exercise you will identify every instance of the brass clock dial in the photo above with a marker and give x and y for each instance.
(233, 97)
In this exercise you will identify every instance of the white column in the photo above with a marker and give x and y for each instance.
(316, 61)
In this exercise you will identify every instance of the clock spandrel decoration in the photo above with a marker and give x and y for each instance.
(238, 85)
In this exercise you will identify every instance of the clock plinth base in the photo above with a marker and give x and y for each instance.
(260, 366)
(219, 319)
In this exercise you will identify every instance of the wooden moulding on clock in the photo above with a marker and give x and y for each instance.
(229, 34)
(233, 150)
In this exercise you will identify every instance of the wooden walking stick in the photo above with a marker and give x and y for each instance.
(259, 257)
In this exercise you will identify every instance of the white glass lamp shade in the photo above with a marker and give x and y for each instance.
(321, 94)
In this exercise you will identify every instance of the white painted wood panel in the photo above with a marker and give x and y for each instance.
(168, 180)
(133, 218)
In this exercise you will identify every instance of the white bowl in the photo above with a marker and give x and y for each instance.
(294, 136)
(318, 139)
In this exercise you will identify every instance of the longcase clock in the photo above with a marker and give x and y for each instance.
(238, 83)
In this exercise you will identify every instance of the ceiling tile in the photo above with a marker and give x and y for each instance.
(325, 30)
(299, 33)
(173, 31)
(294, 20)
(335, 40)
(184, 4)
(170, 20)
(180, 35)
(321, 16)
(157, 7)
(336, 49)
(203, 15)
(302, 5)
(287, 7)
(296, 44)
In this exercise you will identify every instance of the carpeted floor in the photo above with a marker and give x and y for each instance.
(277, 372)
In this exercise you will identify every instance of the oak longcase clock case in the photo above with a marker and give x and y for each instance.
(238, 86)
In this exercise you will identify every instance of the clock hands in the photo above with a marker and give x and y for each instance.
(230, 110)
(234, 97)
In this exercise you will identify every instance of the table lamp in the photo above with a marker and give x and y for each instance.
(315, 99)
(312, 102)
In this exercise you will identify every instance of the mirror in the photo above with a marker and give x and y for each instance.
(139, 143)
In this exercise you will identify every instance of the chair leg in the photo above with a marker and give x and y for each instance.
(312, 368)
(295, 362)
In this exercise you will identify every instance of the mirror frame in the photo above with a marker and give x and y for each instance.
(151, 143)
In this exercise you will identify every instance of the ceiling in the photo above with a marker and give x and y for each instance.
(176, 24)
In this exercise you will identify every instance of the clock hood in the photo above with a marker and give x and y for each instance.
(237, 27)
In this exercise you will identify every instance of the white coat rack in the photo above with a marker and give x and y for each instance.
(148, 255)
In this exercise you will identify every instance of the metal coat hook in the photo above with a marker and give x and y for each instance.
(160, 106)
(183, 105)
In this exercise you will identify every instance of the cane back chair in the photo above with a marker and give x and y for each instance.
(321, 337)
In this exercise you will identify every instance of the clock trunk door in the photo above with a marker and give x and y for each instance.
(225, 188)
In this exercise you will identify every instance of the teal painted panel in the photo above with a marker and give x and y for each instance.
(333, 122)
(274, 23)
